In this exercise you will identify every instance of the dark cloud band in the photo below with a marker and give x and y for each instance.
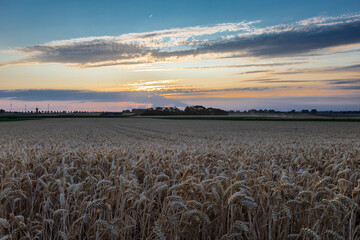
(277, 41)
(88, 96)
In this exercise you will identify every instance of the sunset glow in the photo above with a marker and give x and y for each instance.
(162, 60)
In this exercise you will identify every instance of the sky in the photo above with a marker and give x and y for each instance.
(236, 55)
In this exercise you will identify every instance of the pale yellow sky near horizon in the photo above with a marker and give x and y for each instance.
(310, 76)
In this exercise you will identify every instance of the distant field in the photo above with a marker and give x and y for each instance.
(14, 119)
(262, 118)
(342, 117)
(269, 117)
(43, 116)
(144, 178)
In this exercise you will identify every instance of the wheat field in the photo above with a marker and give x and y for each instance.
(138, 178)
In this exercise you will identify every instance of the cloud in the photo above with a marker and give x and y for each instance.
(351, 68)
(323, 103)
(348, 87)
(153, 85)
(119, 100)
(174, 35)
(254, 72)
(203, 91)
(198, 92)
(328, 81)
(344, 84)
(297, 71)
(131, 48)
(343, 81)
(155, 97)
(179, 44)
(261, 65)
(252, 89)
(291, 42)
(276, 80)
(242, 65)
(88, 96)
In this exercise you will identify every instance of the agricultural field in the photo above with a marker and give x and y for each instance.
(136, 178)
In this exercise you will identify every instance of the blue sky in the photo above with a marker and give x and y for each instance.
(228, 54)
(27, 22)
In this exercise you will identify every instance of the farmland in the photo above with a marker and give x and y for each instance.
(136, 178)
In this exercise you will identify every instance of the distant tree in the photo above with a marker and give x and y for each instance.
(189, 110)
(293, 111)
(2, 111)
(195, 110)
(313, 110)
(304, 111)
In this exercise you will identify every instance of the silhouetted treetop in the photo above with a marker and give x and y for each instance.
(189, 110)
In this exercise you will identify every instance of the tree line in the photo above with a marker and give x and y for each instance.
(189, 110)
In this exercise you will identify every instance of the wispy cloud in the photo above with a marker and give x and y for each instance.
(142, 97)
(348, 68)
(343, 81)
(183, 43)
(153, 85)
(351, 87)
(254, 72)
(276, 80)
(203, 92)
(256, 65)
(344, 84)
(195, 91)
(168, 37)
(155, 96)
(120, 100)
(351, 68)
(338, 102)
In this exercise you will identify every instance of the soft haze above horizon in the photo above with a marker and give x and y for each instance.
(115, 55)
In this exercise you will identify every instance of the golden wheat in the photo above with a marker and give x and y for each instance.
(165, 179)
